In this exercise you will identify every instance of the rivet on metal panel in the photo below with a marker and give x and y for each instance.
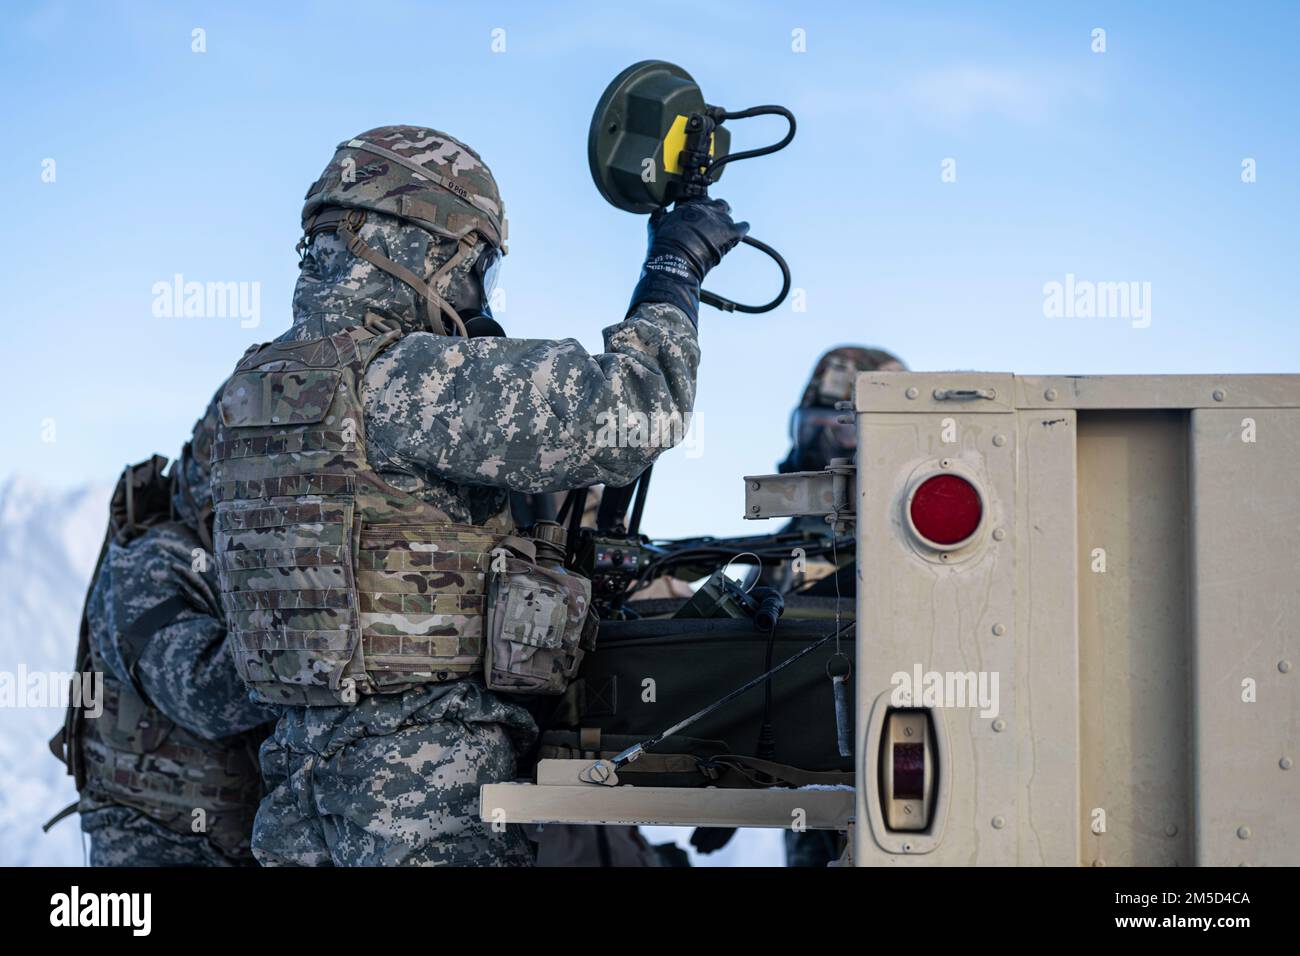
(1243, 832)
(1285, 763)
(1218, 394)
(999, 440)
(999, 823)
(999, 629)
(999, 534)
(1050, 394)
(999, 725)
(912, 392)
(1284, 666)
(907, 848)
(757, 485)
(945, 463)
(1171, 831)
(755, 508)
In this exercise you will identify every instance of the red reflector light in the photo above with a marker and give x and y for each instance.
(946, 509)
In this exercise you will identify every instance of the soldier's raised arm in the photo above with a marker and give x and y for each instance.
(545, 415)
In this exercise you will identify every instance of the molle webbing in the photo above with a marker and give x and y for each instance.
(334, 582)
(134, 756)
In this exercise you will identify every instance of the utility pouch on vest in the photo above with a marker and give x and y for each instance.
(536, 630)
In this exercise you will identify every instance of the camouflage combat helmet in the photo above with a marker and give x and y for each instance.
(419, 175)
(832, 377)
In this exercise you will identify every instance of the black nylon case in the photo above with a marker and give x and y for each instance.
(693, 662)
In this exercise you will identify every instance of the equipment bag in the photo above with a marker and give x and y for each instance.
(649, 674)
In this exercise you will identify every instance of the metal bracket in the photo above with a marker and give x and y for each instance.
(829, 493)
(559, 797)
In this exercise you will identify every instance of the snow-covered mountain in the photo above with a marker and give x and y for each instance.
(49, 539)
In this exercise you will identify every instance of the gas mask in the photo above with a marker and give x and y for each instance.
(469, 287)
(817, 435)
(470, 293)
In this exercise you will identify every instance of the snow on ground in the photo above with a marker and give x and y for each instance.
(749, 847)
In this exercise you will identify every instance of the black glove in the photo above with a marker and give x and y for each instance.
(683, 246)
(711, 839)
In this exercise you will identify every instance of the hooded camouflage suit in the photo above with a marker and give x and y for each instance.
(456, 423)
(185, 671)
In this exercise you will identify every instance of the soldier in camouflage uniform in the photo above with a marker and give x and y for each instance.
(361, 481)
(168, 771)
(816, 434)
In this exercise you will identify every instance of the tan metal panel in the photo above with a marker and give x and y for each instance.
(1157, 391)
(1133, 627)
(1045, 635)
(1246, 610)
(939, 614)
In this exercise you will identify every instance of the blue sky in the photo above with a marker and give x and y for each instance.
(1115, 166)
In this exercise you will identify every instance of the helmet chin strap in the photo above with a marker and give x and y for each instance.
(347, 230)
(442, 278)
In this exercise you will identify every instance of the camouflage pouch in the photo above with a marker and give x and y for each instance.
(537, 627)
